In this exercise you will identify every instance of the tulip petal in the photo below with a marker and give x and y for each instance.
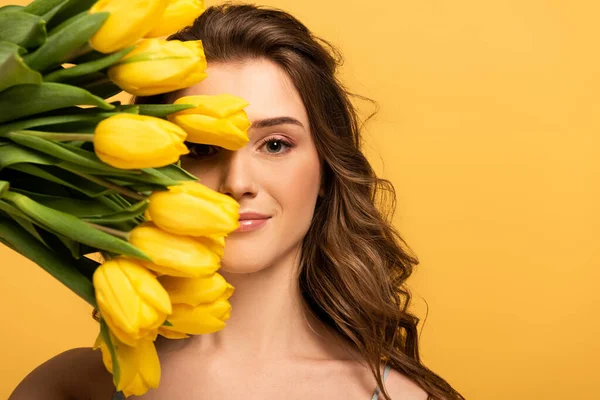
(219, 106)
(160, 66)
(178, 15)
(172, 334)
(196, 291)
(149, 288)
(132, 141)
(174, 254)
(217, 213)
(208, 130)
(128, 22)
(139, 365)
(130, 300)
(201, 319)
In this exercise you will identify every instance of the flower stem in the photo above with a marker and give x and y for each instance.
(111, 231)
(108, 184)
(64, 137)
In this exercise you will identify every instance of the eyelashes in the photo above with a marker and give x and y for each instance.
(202, 151)
(198, 150)
(284, 142)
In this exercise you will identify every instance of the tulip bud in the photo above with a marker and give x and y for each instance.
(139, 366)
(196, 291)
(193, 209)
(200, 305)
(159, 66)
(130, 299)
(173, 254)
(217, 244)
(218, 120)
(131, 141)
(178, 15)
(128, 22)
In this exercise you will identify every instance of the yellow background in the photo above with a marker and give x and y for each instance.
(489, 128)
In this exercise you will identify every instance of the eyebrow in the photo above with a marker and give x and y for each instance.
(267, 122)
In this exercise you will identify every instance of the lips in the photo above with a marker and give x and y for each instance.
(252, 215)
(250, 221)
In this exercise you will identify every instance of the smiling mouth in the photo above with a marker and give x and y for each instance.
(247, 225)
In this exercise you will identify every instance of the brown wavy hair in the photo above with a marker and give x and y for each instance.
(354, 263)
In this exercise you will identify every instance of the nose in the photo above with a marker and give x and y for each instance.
(236, 178)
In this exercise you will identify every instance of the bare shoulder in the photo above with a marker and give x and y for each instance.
(400, 387)
(74, 374)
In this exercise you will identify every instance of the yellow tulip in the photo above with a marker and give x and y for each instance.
(128, 22)
(139, 366)
(196, 291)
(179, 14)
(174, 254)
(200, 305)
(130, 299)
(131, 141)
(218, 120)
(159, 66)
(193, 209)
(217, 244)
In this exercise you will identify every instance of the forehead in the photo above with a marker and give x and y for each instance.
(262, 83)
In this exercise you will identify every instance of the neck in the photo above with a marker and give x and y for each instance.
(269, 318)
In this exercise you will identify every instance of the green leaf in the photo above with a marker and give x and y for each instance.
(11, 8)
(23, 29)
(4, 185)
(65, 152)
(177, 173)
(78, 207)
(14, 154)
(13, 211)
(63, 178)
(30, 227)
(86, 68)
(109, 202)
(58, 266)
(69, 9)
(105, 332)
(25, 100)
(160, 110)
(149, 176)
(64, 39)
(72, 227)
(41, 7)
(61, 9)
(55, 120)
(128, 214)
(13, 71)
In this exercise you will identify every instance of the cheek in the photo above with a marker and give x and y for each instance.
(295, 185)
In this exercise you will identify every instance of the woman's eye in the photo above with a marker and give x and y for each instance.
(198, 150)
(276, 145)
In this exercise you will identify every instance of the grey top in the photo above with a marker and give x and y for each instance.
(120, 396)
(385, 373)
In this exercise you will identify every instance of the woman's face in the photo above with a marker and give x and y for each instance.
(277, 174)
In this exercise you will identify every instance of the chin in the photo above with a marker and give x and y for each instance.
(240, 267)
(240, 260)
(246, 254)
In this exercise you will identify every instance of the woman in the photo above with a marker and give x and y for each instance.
(319, 310)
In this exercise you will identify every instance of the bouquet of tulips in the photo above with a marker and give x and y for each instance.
(81, 176)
